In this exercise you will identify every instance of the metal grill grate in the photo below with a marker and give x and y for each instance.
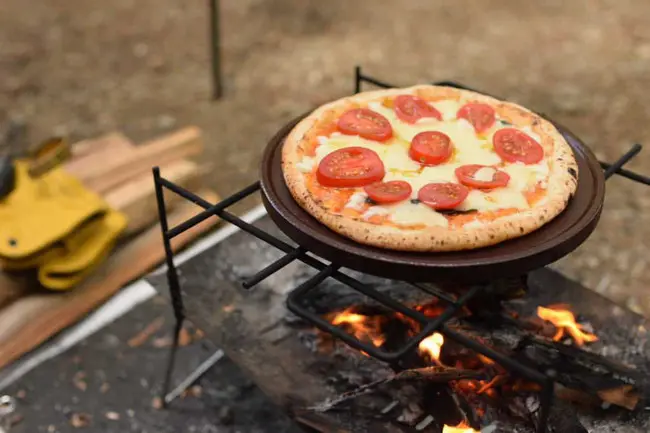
(297, 300)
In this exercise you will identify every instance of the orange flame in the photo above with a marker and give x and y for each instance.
(565, 322)
(363, 327)
(431, 346)
(460, 428)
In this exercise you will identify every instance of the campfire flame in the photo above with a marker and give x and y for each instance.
(363, 327)
(565, 322)
(460, 428)
(431, 347)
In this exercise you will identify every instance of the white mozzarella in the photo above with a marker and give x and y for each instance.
(306, 165)
(524, 177)
(375, 210)
(407, 213)
(499, 198)
(448, 108)
(357, 201)
(484, 174)
(475, 224)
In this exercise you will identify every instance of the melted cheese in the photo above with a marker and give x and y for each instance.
(499, 198)
(524, 177)
(484, 174)
(375, 210)
(407, 213)
(439, 173)
(448, 108)
(306, 165)
(475, 224)
(357, 201)
(469, 148)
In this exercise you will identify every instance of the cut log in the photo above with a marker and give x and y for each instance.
(29, 321)
(102, 172)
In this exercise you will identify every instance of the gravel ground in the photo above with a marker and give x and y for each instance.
(86, 67)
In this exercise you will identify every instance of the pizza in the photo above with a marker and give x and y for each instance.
(428, 168)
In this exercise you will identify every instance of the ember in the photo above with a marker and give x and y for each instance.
(460, 428)
(565, 322)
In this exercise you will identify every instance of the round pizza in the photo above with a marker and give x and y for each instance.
(428, 168)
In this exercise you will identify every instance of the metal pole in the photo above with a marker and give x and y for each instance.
(172, 281)
(215, 50)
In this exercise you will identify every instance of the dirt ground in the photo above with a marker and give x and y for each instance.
(87, 67)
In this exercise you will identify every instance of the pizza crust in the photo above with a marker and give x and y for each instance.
(561, 184)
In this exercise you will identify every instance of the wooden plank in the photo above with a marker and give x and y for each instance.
(137, 198)
(33, 319)
(113, 141)
(102, 172)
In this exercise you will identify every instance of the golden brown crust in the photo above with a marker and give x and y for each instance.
(561, 184)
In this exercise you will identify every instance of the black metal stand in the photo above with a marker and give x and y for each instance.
(215, 49)
(297, 297)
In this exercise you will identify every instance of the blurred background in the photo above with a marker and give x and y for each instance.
(83, 68)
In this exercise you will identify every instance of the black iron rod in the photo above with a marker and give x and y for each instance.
(494, 355)
(435, 292)
(172, 281)
(617, 165)
(209, 211)
(628, 174)
(373, 81)
(273, 268)
(215, 50)
(357, 79)
(171, 362)
(435, 324)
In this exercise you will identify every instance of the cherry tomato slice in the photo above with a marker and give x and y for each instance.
(431, 148)
(481, 116)
(465, 175)
(389, 192)
(443, 195)
(365, 123)
(410, 108)
(513, 145)
(350, 167)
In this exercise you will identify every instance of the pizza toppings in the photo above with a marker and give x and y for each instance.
(443, 195)
(365, 123)
(410, 109)
(513, 145)
(431, 148)
(481, 176)
(350, 167)
(481, 116)
(389, 192)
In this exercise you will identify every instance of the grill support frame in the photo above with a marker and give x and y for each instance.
(299, 294)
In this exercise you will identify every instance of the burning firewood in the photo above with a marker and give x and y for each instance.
(432, 374)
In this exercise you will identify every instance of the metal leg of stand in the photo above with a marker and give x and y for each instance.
(215, 50)
(357, 79)
(194, 376)
(171, 362)
(172, 281)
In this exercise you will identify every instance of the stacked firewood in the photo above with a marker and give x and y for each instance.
(119, 171)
